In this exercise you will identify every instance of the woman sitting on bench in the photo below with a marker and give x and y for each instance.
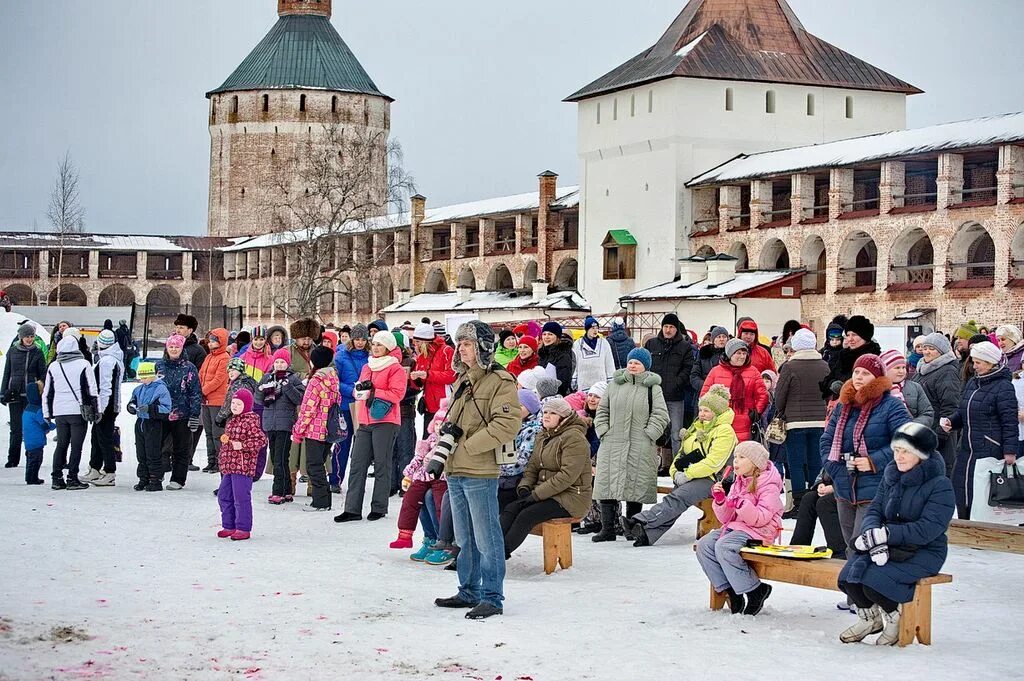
(557, 481)
(903, 537)
(706, 447)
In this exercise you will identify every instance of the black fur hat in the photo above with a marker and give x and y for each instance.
(186, 320)
(919, 439)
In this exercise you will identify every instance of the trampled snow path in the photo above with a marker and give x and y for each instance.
(163, 598)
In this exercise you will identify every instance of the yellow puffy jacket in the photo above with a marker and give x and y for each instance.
(715, 440)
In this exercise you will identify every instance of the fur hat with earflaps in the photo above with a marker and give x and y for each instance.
(305, 328)
(483, 334)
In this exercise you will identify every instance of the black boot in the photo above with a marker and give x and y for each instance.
(756, 598)
(736, 601)
(609, 513)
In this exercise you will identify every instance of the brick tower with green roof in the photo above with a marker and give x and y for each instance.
(300, 78)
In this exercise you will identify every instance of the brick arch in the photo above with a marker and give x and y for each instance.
(705, 251)
(567, 275)
(912, 259)
(774, 255)
(971, 255)
(435, 282)
(738, 250)
(207, 296)
(70, 295)
(116, 295)
(530, 274)
(385, 291)
(21, 294)
(467, 278)
(500, 278)
(814, 258)
(858, 261)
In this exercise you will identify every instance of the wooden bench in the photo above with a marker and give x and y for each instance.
(557, 536)
(986, 536)
(708, 520)
(915, 619)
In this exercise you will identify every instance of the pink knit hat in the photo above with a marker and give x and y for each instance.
(175, 341)
(872, 363)
(754, 451)
(283, 353)
(892, 358)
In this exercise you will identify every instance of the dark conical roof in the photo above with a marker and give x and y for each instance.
(301, 52)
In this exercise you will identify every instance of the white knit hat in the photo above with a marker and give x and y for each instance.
(987, 352)
(385, 338)
(804, 339)
(599, 388)
(423, 332)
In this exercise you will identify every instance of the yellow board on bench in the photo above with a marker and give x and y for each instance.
(557, 536)
(915, 619)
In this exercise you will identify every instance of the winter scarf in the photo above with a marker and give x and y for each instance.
(379, 363)
(867, 398)
(591, 342)
(924, 368)
(738, 389)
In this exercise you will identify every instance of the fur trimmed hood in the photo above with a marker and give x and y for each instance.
(872, 391)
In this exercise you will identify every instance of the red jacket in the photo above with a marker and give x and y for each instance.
(244, 428)
(756, 395)
(518, 366)
(437, 362)
(760, 356)
(213, 375)
(389, 384)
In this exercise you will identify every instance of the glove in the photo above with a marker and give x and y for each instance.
(132, 408)
(680, 479)
(143, 409)
(448, 437)
(363, 386)
(718, 496)
(5, 398)
(220, 422)
(193, 423)
(875, 542)
(175, 415)
(523, 492)
(732, 502)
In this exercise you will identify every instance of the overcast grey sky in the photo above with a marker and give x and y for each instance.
(478, 86)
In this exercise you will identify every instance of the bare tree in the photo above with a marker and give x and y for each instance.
(66, 214)
(347, 188)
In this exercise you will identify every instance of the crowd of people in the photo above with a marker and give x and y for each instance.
(533, 423)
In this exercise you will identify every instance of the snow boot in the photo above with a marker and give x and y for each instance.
(105, 480)
(288, 498)
(425, 549)
(483, 611)
(192, 468)
(376, 516)
(276, 500)
(869, 621)
(155, 486)
(75, 484)
(91, 475)
(240, 535)
(174, 485)
(404, 540)
(756, 599)
(736, 601)
(634, 529)
(347, 517)
(335, 489)
(58, 483)
(140, 486)
(454, 602)
(890, 628)
(310, 508)
(588, 528)
(609, 511)
(440, 556)
(37, 481)
(224, 534)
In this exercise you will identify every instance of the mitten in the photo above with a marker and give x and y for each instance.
(732, 502)
(131, 408)
(523, 492)
(143, 409)
(220, 422)
(680, 479)
(193, 423)
(718, 495)
(875, 542)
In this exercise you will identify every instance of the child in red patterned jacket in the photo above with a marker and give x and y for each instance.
(314, 424)
(241, 443)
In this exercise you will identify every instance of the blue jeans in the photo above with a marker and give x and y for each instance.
(803, 456)
(481, 563)
(719, 556)
(339, 454)
(428, 520)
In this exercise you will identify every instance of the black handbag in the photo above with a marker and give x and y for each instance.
(1004, 489)
(88, 409)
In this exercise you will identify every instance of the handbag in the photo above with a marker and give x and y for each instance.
(337, 430)
(379, 408)
(1004, 489)
(776, 432)
(88, 411)
(756, 432)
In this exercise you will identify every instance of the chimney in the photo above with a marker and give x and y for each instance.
(403, 297)
(320, 8)
(418, 205)
(417, 212)
(721, 269)
(546, 227)
(692, 270)
(464, 293)
(540, 291)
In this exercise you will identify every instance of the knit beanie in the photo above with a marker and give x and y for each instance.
(321, 357)
(528, 379)
(599, 389)
(977, 338)
(378, 324)
(547, 387)
(26, 330)
(641, 355)
(939, 342)
(146, 370)
(399, 339)
(803, 340)
(245, 397)
(530, 400)
(872, 363)
(717, 331)
(966, 330)
(242, 339)
(716, 399)
(919, 439)
(1007, 331)
(861, 326)
(282, 353)
(175, 341)
(385, 338)
(73, 332)
(773, 378)
(987, 352)
(259, 332)
(552, 327)
(558, 406)
(236, 363)
(360, 331)
(589, 322)
(755, 452)
(892, 358)
(504, 336)
(529, 341)
(734, 346)
(834, 331)
(423, 332)
(105, 339)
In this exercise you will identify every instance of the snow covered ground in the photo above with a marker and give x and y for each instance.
(117, 584)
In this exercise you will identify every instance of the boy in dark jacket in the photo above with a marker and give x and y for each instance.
(672, 359)
(281, 392)
(151, 402)
(34, 429)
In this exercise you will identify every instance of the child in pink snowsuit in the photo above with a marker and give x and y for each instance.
(241, 443)
(416, 485)
(750, 512)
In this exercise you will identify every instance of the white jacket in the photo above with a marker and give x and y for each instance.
(64, 397)
(109, 373)
(592, 366)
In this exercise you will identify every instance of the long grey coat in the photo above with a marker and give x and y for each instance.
(627, 461)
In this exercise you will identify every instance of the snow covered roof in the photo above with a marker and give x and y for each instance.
(109, 242)
(566, 197)
(976, 132)
(744, 282)
(492, 300)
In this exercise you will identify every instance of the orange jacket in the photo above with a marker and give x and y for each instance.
(213, 375)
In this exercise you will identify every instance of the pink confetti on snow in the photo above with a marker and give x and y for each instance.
(381, 651)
